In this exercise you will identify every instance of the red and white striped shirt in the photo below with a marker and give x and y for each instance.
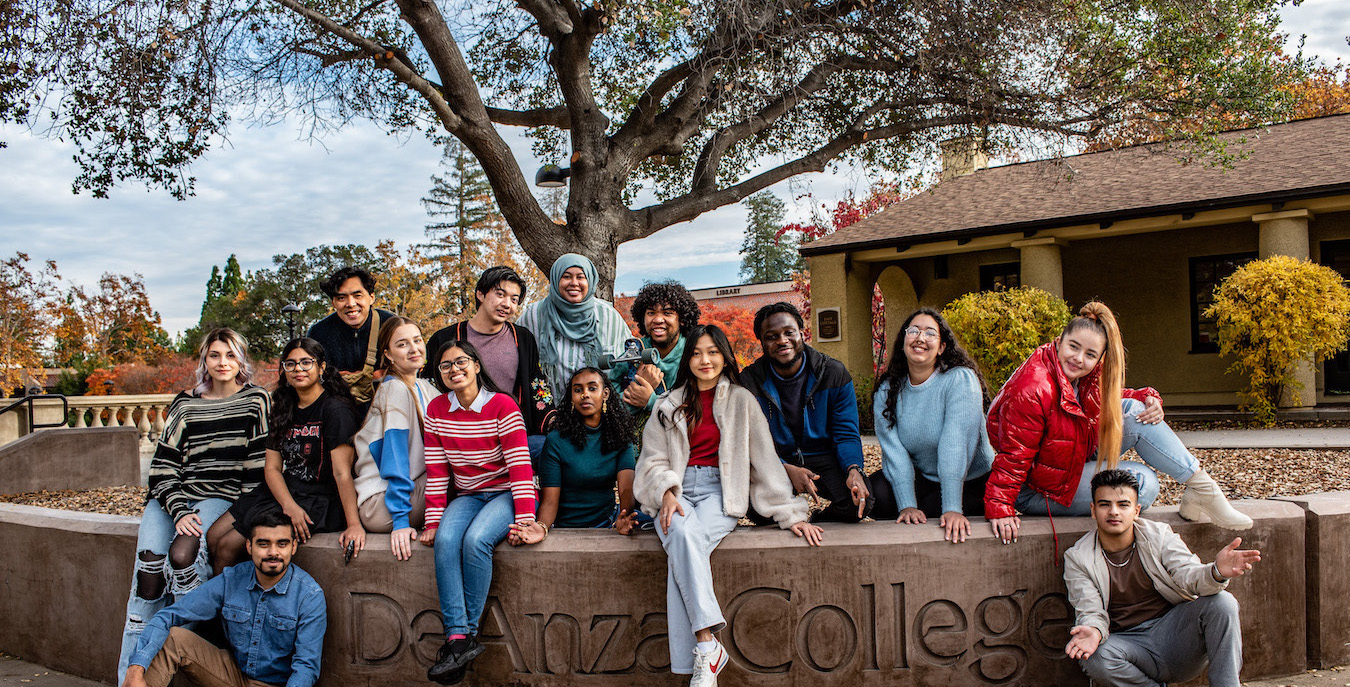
(482, 446)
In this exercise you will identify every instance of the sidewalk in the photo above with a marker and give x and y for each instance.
(16, 673)
(1310, 438)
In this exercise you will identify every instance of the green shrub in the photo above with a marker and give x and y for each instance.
(863, 389)
(1002, 328)
(1271, 315)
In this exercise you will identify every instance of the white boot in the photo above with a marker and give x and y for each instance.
(1203, 495)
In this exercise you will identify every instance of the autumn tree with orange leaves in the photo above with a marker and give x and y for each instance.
(27, 320)
(111, 325)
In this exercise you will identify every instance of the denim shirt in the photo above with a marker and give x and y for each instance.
(276, 635)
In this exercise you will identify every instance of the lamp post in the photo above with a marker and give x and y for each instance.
(552, 176)
(290, 309)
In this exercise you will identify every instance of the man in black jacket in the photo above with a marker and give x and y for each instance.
(349, 334)
(809, 401)
(509, 353)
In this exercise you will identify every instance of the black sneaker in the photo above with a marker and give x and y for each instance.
(453, 659)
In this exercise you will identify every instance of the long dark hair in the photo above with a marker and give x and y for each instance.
(953, 355)
(484, 380)
(616, 423)
(285, 399)
(687, 383)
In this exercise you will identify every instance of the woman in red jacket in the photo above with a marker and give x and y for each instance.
(1066, 404)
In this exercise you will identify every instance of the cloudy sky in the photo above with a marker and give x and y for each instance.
(271, 192)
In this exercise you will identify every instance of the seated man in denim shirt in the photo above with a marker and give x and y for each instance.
(274, 617)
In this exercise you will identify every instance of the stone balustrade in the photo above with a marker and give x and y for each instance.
(145, 412)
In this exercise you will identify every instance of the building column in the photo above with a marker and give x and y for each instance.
(1286, 233)
(1042, 266)
(844, 288)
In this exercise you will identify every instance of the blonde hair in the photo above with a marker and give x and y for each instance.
(237, 345)
(1099, 318)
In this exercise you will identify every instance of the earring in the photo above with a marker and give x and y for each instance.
(604, 406)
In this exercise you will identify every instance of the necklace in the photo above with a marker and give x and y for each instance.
(1121, 564)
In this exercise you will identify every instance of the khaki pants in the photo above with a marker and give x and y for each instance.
(375, 515)
(202, 663)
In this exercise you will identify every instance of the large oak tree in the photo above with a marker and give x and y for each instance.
(702, 102)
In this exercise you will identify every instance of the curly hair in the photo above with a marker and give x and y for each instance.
(671, 294)
(897, 370)
(617, 427)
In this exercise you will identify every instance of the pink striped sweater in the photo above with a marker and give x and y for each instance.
(482, 446)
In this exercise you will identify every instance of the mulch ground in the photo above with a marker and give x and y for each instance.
(1243, 473)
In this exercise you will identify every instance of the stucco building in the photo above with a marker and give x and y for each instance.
(1134, 227)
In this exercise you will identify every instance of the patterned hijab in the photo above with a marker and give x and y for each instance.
(560, 319)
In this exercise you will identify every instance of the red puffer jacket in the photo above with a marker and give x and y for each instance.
(1042, 435)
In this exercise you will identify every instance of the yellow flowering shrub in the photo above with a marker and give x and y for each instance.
(1002, 328)
(1273, 313)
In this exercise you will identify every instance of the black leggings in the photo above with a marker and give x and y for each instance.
(928, 494)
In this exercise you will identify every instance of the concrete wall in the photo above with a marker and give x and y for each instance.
(71, 459)
(1328, 578)
(878, 604)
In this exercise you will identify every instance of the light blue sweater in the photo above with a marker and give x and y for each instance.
(939, 430)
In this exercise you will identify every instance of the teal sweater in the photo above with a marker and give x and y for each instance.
(939, 431)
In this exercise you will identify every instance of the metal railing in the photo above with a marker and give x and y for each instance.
(32, 421)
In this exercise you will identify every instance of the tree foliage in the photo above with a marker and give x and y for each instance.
(1273, 315)
(706, 102)
(255, 309)
(30, 295)
(739, 324)
(768, 253)
(110, 325)
(1002, 328)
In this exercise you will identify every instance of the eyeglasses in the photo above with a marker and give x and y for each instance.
(925, 334)
(461, 363)
(302, 364)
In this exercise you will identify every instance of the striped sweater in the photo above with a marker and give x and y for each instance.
(210, 448)
(482, 446)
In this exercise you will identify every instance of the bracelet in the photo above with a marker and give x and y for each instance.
(1218, 577)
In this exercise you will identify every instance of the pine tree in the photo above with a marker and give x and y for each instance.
(767, 254)
(463, 214)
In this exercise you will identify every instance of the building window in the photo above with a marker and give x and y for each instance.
(1000, 276)
(1207, 273)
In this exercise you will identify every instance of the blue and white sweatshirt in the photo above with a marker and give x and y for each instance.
(390, 453)
(939, 431)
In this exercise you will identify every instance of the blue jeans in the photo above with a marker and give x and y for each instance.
(1157, 444)
(691, 604)
(472, 525)
(154, 536)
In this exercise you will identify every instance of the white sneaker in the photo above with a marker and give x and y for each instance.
(707, 665)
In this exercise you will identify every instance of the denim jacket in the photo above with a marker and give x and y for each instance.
(276, 635)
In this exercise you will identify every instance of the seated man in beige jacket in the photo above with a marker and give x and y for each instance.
(1142, 598)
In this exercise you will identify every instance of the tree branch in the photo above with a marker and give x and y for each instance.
(549, 116)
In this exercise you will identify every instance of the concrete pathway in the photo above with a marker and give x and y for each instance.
(16, 673)
(1310, 438)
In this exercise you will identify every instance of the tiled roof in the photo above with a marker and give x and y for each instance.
(1286, 161)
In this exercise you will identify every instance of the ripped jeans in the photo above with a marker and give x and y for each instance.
(153, 541)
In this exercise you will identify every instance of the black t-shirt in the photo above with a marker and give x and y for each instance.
(792, 396)
(317, 429)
